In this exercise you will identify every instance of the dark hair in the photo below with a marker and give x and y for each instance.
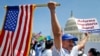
(48, 44)
(93, 51)
(33, 45)
(98, 53)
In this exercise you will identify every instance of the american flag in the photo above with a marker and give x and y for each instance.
(38, 35)
(16, 33)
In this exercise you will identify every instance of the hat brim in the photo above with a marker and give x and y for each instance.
(69, 37)
(74, 39)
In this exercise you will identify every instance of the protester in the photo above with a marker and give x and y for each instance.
(39, 47)
(81, 52)
(98, 53)
(32, 50)
(92, 52)
(63, 42)
(48, 48)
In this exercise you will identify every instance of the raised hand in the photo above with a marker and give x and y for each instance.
(52, 5)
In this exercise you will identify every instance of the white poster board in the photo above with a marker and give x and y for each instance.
(88, 25)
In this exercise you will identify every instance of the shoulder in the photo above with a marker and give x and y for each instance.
(75, 48)
(84, 55)
(47, 52)
(62, 52)
(74, 51)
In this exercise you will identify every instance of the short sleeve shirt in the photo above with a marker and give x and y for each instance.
(47, 52)
(64, 52)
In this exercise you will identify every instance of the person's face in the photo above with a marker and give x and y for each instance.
(68, 44)
(90, 54)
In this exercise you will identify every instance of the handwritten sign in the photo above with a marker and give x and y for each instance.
(88, 25)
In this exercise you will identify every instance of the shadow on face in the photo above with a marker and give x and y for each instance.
(68, 44)
(90, 54)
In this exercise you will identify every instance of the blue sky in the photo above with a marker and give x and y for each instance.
(80, 8)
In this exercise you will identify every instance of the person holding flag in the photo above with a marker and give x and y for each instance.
(64, 43)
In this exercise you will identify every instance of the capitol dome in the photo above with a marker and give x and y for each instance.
(71, 25)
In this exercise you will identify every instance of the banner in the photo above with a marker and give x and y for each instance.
(88, 25)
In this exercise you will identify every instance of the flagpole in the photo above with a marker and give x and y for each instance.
(40, 5)
(45, 5)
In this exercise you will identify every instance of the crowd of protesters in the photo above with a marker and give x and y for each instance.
(44, 47)
(62, 44)
(41, 47)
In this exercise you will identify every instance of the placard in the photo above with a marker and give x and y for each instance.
(88, 25)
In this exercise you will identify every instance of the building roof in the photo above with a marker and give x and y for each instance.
(70, 25)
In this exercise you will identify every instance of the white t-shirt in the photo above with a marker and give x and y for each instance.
(81, 52)
(32, 52)
(47, 52)
(64, 52)
(84, 55)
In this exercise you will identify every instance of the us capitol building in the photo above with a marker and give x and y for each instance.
(71, 27)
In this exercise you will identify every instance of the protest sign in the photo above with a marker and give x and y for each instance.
(88, 25)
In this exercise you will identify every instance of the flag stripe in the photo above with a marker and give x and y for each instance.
(2, 35)
(18, 31)
(27, 29)
(21, 31)
(4, 41)
(4, 49)
(10, 54)
(8, 50)
(24, 32)
(9, 41)
(1, 39)
(14, 39)
(29, 32)
(10, 46)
